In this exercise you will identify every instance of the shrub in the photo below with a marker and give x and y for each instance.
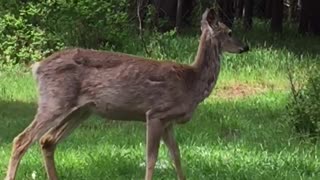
(30, 30)
(22, 42)
(90, 24)
(304, 108)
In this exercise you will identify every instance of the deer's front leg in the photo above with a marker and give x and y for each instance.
(155, 130)
(171, 143)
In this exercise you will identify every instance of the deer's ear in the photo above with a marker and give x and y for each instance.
(208, 18)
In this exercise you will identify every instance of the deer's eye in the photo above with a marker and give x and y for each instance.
(230, 33)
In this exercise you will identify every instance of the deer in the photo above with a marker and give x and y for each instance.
(74, 83)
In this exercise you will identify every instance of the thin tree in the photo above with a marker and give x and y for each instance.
(239, 6)
(179, 14)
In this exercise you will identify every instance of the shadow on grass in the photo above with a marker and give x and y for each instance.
(15, 116)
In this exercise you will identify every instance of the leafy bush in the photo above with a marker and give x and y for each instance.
(158, 45)
(90, 24)
(22, 42)
(304, 108)
(30, 30)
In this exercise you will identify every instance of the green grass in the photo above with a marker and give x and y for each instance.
(228, 138)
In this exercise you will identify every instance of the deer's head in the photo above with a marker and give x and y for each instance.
(222, 33)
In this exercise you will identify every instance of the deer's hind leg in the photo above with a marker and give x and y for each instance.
(46, 118)
(50, 140)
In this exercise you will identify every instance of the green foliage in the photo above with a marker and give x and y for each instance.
(90, 24)
(28, 31)
(170, 46)
(152, 22)
(149, 20)
(159, 44)
(304, 108)
(22, 42)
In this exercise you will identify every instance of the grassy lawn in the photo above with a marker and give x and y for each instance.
(239, 132)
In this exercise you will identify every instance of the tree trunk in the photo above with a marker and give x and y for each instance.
(141, 4)
(247, 22)
(179, 14)
(277, 15)
(292, 9)
(239, 8)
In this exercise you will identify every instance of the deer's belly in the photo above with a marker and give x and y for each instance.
(123, 116)
(137, 111)
(185, 118)
(119, 113)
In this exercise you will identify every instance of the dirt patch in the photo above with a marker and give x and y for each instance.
(242, 90)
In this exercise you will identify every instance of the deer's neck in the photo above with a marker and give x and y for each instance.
(207, 65)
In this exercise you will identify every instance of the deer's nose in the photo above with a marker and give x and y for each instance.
(244, 49)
